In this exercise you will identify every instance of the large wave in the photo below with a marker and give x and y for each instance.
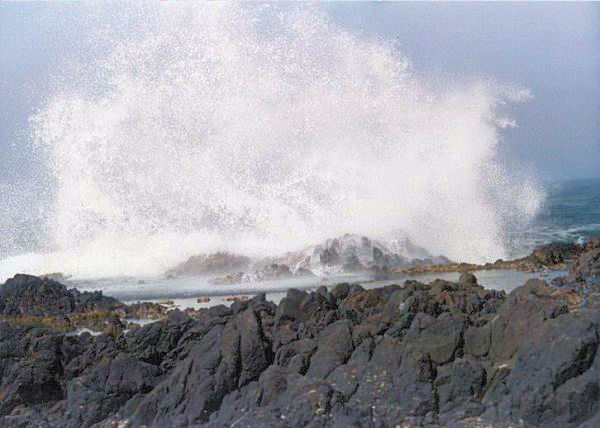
(261, 130)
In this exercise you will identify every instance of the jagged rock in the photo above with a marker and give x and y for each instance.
(556, 376)
(522, 316)
(350, 253)
(30, 295)
(439, 354)
(335, 347)
(341, 291)
(585, 272)
(459, 383)
(440, 338)
(347, 253)
(478, 340)
(555, 254)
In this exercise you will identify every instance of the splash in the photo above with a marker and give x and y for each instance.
(261, 130)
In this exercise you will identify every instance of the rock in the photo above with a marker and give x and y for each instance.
(30, 368)
(335, 347)
(555, 254)
(341, 291)
(439, 354)
(269, 272)
(255, 351)
(101, 392)
(233, 278)
(440, 338)
(468, 279)
(30, 295)
(238, 298)
(587, 266)
(548, 257)
(289, 306)
(458, 383)
(211, 264)
(522, 316)
(352, 253)
(478, 340)
(556, 377)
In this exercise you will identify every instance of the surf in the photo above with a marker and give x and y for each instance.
(259, 131)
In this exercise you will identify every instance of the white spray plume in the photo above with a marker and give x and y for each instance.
(261, 130)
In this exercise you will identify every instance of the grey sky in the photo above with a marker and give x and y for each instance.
(553, 49)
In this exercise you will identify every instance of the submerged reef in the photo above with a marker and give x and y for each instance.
(438, 354)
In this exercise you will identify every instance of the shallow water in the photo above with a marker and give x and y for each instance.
(185, 291)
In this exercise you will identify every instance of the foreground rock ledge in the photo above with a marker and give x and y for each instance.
(443, 354)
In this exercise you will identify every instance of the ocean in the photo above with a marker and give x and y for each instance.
(570, 213)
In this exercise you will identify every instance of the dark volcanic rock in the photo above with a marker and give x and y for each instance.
(556, 256)
(30, 295)
(439, 354)
(334, 349)
(585, 272)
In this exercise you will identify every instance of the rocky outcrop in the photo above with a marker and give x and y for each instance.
(439, 354)
(43, 302)
(211, 264)
(30, 295)
(344, 254)
(584, 274)
(353, 253)
(556, 256)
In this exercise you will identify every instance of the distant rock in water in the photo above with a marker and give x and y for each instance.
(354, 253)
(445, 354)
(555, 256)
(346, 254)
(211, 264)
(270, 272)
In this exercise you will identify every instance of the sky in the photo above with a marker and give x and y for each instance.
(552, 49)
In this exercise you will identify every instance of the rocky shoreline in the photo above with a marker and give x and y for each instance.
(439, 354)
(359, 254)
(551, 257)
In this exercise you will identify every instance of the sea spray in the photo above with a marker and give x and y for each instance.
(260, 130)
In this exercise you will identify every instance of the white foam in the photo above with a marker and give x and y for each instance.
(263, 130)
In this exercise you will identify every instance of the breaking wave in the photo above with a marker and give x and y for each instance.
(261, 130)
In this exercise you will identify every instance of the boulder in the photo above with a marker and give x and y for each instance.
(30, 295)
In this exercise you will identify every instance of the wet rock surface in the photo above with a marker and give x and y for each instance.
(353, 253)
(440, 354)
(556, 256)
(345, 254)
